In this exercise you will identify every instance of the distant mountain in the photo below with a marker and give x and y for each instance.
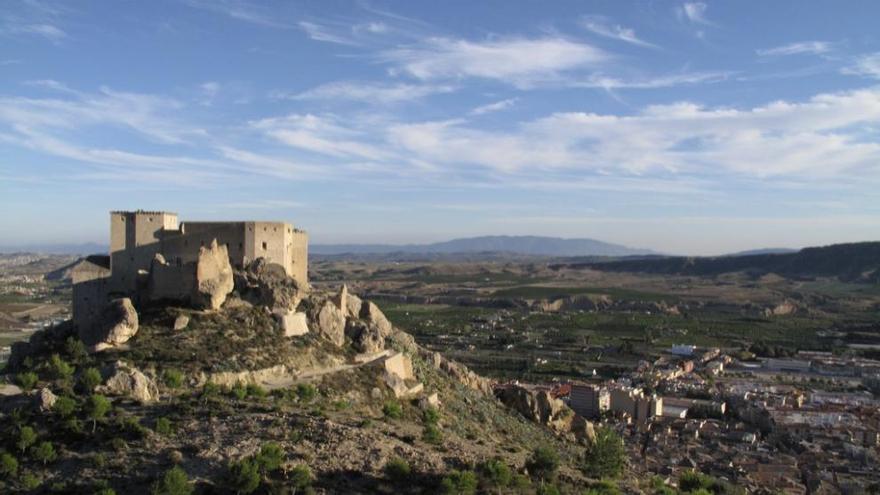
(81, 249)
(753, 252)
(852, 262)
(526, 245)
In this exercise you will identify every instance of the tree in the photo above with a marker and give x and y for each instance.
(90, 379)
(543, 463)
(459, 483)
(496, 473)
(605, 457)
(64, 406)
(96, 408)
(174, 482)
(300, 478)
(59, 368)
(26, 437)
(270, 458)
(8, 465)
(244, 476)
(26, 380)
(44, 452)
(397, 469)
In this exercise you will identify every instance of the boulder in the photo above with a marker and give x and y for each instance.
(181, 322)
(353, 306)
(375, 318)
(117, 323)
(293, 323)
(267, 284)
(329, 320)
(341, 299)
(430, 401)
(124, 380)
(366, 339)
(44, 400)
(214, 278)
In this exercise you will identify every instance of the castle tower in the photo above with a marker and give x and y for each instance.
(135, 238)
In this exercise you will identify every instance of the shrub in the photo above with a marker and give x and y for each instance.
(496, 473)
(96, 408)
(244, 476)
(392, 409)
(605, 456)
(431, 434)
(132, 426)
(173, 482)
(8, 465)
(210, 390)
(99, 460)
(603, 488)
(270, 458)
(64, 406)
(44, 452)
(172, 378)
(75, 349)
(306, 392)
(163, 426)
(29, 481)
(26, 380)
(547, 490)
(90, 379)
(254, 390)
(543, 463)
(59, 368)
(239, 391)
(300, 478)
(431, 416)
(459, 483)
(397, 469)
(106, 491)
(26, 437)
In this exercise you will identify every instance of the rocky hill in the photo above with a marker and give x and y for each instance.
(280, 390)
(857, 262)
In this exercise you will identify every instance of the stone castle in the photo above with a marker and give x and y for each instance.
(153, 256)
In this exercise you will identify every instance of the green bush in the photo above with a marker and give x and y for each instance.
(90, 379)
(431, 434)
(496, 473)
(29, 481)
(270, 457)
(605, 456)
(306, 392)
(239, 391)
(75, 349)
(256, 391)
(44, 452)
(603, 487)
(300, 478)
(173, 482)
(106, 491)
(163, 426)
(244, 476)
(392, 409)
(26, 380)
(547, 489)
(543, 463)
(64, 406)
(97, 406)
(59, 368)
(172, 378)
(8, 465)
(26, 437)
(431, 416)
(397, 469)
(210, 390)
(459, 483)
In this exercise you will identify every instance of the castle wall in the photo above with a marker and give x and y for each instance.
(135, 238)
(90, 285)
(299, 257)
(183, 246)
(172, 281)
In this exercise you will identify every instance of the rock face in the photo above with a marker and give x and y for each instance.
(214, 279)
(375, 318)
(366, 339)
(125, 380)
(293, 323)
(542, 408)
(458, 372)
(267, 284)
(784, 308)
(44, 399)
(117, 323)
(353, 306)
(398, 375)
(329, 320)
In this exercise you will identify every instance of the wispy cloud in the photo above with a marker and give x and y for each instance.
(319, 32)
(800, 47)
(601, 26)
(46, 31)
(865, 65)
(249, 12)
(494, 107)
(324, 135)
(695, 12)
(663, 81)
(369, 92)
(523, 62)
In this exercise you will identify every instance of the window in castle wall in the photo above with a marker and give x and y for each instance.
(265, 246)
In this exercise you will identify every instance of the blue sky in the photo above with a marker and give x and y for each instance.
(686, 127)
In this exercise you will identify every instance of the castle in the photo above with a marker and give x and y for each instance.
(152, 248)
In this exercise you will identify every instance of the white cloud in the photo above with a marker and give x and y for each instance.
(689, 78)
(319, 32)
(494, 107)
(865, 65)
(519, 61)
(695, 12)
(324, 135)
(369, 92)
(242, 11)
(599, 25)
(47, 31)
(811, 47)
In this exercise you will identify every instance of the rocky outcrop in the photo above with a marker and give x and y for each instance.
(214, 278)
(374, 317)
(539, 406)
(267, 284)
(124, 380)
(117, 323)
(266, 375)
(329, 321)
(784, 308)
(44, 400)
(364, 338)
(458, 372)
(397, 373)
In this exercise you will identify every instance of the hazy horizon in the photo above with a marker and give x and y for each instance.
(694, 128)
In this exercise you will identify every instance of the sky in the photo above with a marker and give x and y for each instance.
(684, 127)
